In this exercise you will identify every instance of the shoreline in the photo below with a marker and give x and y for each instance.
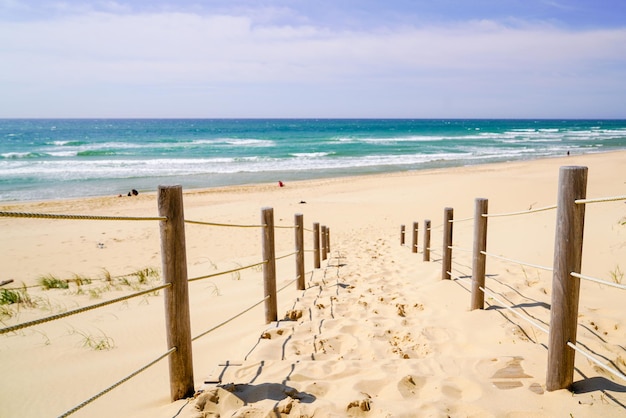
(305, 182)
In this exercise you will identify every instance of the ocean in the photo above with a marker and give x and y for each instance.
(43, 159)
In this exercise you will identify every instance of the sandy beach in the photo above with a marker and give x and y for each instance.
(376, 333)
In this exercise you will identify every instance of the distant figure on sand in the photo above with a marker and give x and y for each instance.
(281, 184)
(133, 193)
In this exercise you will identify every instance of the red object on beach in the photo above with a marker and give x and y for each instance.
(281, 184)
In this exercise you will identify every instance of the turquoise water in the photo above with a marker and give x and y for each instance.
(46, 159)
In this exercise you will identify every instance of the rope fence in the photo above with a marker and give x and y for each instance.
(187, 221)
(118, 383)
(570, 209)
(175, 280)
(62, 315)
(79, 217)
(593, 279)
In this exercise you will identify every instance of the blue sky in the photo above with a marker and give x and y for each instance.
(297, 58)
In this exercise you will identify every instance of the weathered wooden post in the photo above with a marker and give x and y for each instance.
(177, 317)
(299, 230)
(323, 236)
(269, 267)
(479, 258)
(402, 228)
(316, 245)
(327, 240)
(446, 270)
(568, 245)
(426, 255)
(414, 243)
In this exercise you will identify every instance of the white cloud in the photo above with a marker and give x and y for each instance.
(95, 52)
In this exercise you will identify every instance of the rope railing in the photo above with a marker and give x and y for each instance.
(609, 369)
(524, 212)
(187, 221)
(81, 310)
(593, 279)
(521, 263)
(461, 220)
(175, 278)
(118, 383)
(510, 308)
(286, 255)
(546, 331)
(221, 324)
(600, 200)
(567, 264)
(221, 273)
(454, 247)
(80, 217)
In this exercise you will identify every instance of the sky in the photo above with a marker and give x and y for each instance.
(313, 59)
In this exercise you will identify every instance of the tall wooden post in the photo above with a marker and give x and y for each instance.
(446, 269)
(414, 243)
(323, 236)
(402, 228)
(269, 267)
(327, 240)
(299, 231)
(316, 245)
(479, 258)
(426, 255)
(568, 245)
(177, 317)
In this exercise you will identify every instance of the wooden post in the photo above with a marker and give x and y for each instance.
(402, 227)
(414, 244)
(269, 267)
(177, 317)
(426, 256)
(299, 223)
(323, 249)
(316, 245)
(327, 240)
(568, 245)
(446, 270)
(479, 259)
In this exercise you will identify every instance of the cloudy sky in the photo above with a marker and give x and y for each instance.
(305, 58)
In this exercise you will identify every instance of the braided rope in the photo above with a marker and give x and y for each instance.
(287, 285)
(80, 310)
(453, 247)
(230, 319)
(596, 361)
(504, 305)
(113, 386)
(286, 255)
(599, 200)
(285, 226)
(79, 217)
(461, 220)
(593, 279)
(225, 225)
(226, 272)
(517, 261)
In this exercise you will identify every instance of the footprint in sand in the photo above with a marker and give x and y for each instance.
(507, 374)
(462, 389)
(409, 386)
(359, 408)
